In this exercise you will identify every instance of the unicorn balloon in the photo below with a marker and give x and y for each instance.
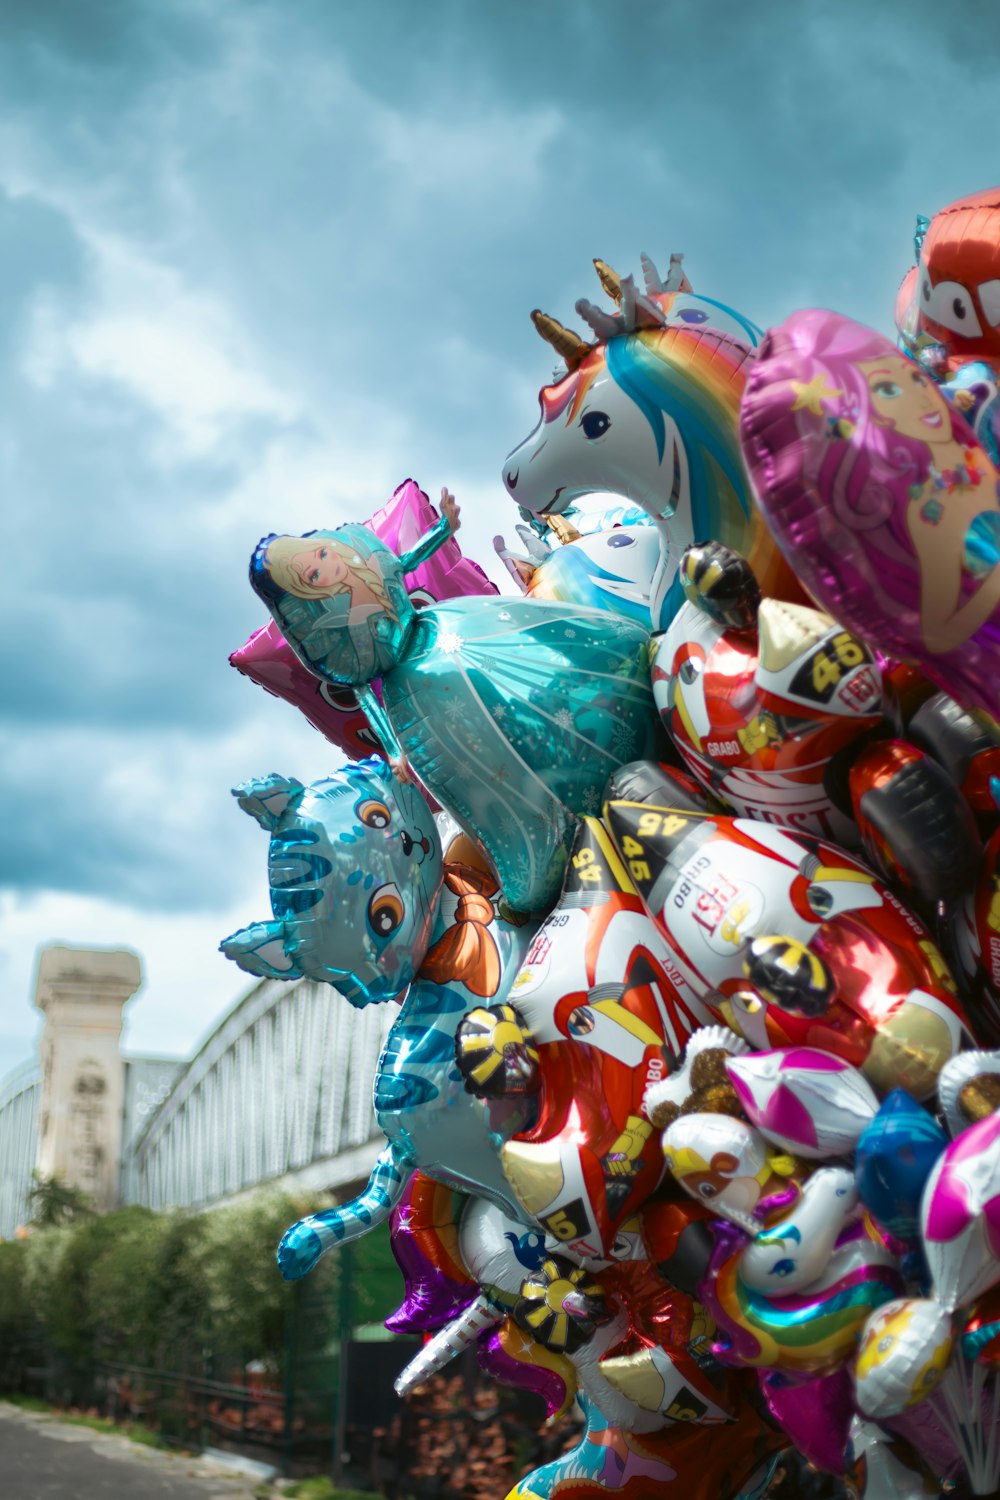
(610, 569)
(649, 410)
(365, 898)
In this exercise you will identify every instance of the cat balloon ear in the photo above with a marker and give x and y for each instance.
(260, 949)
(267, 797)
(378, 766)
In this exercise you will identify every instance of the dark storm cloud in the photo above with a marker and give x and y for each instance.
(263, 261)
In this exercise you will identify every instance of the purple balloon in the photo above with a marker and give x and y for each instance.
(267, 659)
(434, 1295)
(816, 1414)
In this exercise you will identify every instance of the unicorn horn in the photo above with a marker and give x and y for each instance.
(447, 1343)
(609, 279)
(562, 529)
(570, 345)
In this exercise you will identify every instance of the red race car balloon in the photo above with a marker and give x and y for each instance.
(605, 1005)
(716, 884)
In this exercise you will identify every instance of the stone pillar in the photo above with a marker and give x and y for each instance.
(82, 992)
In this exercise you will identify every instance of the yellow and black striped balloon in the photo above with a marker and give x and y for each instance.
(721, 583)
(540, 1309)
(495, 1054)
(790, 975)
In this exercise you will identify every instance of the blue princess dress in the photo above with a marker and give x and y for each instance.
(512, 712)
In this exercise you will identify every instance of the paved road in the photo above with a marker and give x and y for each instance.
(42, 1458)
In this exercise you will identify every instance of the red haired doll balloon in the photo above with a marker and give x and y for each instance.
(880, 496)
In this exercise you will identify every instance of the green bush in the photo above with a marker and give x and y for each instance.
(195, 1293)
(247, 1303)
(321, 1488)
(16, 1320)
(100, 1301)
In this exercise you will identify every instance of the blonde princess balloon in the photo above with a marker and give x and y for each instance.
(512, 712)
(342, 595)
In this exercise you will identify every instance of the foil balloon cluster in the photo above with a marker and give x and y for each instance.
(690, 1112)
(932, 1351)
(853, 1241)
(782, 715)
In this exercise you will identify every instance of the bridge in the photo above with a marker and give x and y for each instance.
(20, 1094)
(280, 1093)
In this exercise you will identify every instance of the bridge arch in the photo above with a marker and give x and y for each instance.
(280, 1092)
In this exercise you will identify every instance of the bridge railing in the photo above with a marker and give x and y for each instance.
(20, 1093)
(282, 1088)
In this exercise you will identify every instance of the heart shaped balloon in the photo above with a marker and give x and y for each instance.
(267, 659)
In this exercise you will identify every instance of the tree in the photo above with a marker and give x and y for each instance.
(53, 1202)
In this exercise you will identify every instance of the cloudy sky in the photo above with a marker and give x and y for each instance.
(264, 259)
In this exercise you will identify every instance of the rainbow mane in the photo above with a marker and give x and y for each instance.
(803, 1331)
(438, 1284)
(811, 1331)
(682, 360)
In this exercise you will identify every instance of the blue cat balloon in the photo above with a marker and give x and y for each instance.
(355, 872)
(363, 899)
(513, 713)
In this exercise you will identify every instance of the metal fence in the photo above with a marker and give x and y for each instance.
(313, 1409)
(328, 1412)
(313, 1418)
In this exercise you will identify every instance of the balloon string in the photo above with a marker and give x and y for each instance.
(975, 1408)
(992, 1464)
(982, 1474)
(954, 1392)
(966, 1393)
(975, 1419)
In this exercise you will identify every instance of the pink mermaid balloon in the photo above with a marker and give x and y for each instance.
(880, 497)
